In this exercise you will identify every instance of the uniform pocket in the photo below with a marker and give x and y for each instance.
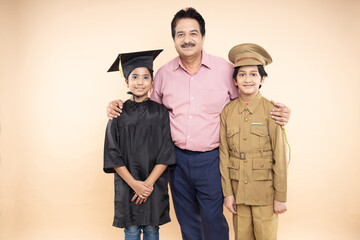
(260, 137)
(262, 169)
(260, 131)
(233, 166)
(233, 137)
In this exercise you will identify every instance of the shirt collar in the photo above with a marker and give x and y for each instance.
(205, 61)
(251, 105)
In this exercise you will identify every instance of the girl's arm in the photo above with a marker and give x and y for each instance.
(155, 174)
(150, 181)
(142, 189)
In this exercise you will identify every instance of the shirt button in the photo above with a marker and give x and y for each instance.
(191, 98)
(244, 138)
(190, 116)
(192, 78)
(245, 181)
(245, 160)
(188, 136)
(246, 119)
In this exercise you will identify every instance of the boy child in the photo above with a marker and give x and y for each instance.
(138, 149)
(253, 156)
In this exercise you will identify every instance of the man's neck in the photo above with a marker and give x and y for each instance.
(192, 63)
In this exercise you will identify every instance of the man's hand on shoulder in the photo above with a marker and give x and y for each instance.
(281, 114)
(114, 109)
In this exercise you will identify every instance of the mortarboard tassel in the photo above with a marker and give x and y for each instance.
(120, 68)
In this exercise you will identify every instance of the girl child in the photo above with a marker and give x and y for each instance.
(253, 156)
(138, 149)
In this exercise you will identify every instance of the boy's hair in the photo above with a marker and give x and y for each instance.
(188, 13)
(261, 70)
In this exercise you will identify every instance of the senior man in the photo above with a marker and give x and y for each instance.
(195, 86)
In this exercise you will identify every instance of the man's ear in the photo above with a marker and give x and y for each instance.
(204, 37)
(127, 82)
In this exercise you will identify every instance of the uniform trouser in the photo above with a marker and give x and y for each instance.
(197, 195)
(255, 222)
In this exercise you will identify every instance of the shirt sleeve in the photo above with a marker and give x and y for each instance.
(166, 154)
(224, 158)
(155, 94)
(280, 160)
(113, 157)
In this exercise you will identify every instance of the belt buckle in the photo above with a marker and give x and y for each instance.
(242, 155)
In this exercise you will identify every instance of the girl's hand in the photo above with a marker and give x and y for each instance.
(230, 204)
(138, 199)
(279, 207)
(142, 189)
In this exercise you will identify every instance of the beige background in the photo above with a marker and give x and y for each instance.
(54, 89)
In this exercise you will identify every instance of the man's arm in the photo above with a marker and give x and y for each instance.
(281, 114)
(114, 109)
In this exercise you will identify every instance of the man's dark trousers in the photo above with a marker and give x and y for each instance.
(197, 195)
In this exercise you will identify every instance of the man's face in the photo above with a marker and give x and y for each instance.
(188, 39)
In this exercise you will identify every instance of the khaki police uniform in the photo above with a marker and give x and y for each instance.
(253, 164)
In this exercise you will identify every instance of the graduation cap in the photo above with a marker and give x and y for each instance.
(127, 62)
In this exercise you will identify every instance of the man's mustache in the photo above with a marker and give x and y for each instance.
(188, 45)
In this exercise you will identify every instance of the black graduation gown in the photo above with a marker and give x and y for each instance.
(139, 139)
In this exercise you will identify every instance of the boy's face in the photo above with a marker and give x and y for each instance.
(139, 83)
(248, 81)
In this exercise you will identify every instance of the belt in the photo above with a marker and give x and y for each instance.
(247, 155)
(190, 151)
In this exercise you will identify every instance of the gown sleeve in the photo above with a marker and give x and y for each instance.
(113, 157)
(166, 154)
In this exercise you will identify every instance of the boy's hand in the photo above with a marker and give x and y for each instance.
(279, 207)
(281, 114)
(114, 109)
(142, 189)
(230, 204)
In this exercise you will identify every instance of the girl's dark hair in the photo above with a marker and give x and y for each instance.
(150, 70)
(188, 13)
(261, 70)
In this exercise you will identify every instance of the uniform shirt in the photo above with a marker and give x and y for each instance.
(195, 101)
(253, 153)
(139, 139)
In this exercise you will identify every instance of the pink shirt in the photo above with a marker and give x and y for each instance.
(195, 101)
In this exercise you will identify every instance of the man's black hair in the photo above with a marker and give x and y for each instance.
(188, 13)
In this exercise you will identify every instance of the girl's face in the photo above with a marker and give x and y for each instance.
(139, 83)
(248, 81)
